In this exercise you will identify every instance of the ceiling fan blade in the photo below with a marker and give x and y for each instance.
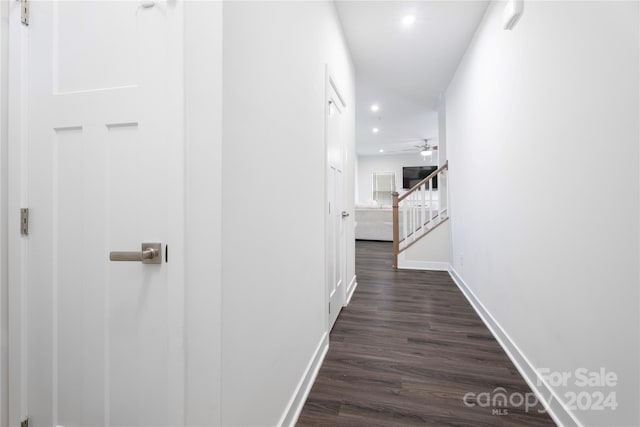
(404, 150)
(421, 140)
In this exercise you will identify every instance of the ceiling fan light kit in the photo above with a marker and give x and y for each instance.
(426, 149)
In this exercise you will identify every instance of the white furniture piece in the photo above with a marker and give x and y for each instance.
(374, 223)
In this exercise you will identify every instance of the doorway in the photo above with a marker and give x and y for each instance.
(336, 215)
(97, 157)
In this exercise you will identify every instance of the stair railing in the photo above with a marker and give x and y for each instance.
(418, 211)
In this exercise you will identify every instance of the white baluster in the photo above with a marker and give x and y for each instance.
(430, 203)
(410, 214)
(404, 221)
(423, 207)
(415, 215)
(417, 210)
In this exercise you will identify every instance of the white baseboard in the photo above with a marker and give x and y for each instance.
(296, 403)
(404, 264)
(545, 393)
(350, 290)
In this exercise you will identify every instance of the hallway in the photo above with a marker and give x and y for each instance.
(406, 351)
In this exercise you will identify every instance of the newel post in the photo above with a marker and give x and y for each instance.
(396, 230)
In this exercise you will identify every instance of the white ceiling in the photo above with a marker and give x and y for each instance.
(404, 68)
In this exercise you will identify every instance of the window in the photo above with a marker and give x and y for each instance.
(384, 184)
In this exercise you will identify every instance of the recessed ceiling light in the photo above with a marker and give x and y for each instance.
(375, 130)
(381, 150)
(408, 20)
(375, 107)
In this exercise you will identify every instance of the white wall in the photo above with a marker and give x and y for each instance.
(273, 202)
(203, 108)
(4, 319)
(367, 165)
(432, 252)
(555, 266)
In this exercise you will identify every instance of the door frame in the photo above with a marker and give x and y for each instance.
(17, 51)
(4, 324)
(330, 83)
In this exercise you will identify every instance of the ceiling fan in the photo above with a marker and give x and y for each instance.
(425, 148)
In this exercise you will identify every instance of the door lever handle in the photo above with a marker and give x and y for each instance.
(345, 214)
(151, 253)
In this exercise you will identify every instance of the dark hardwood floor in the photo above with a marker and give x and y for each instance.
(407, 350)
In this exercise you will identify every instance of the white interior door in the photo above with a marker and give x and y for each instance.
(102, 341)
(335, 195)
(336, 246)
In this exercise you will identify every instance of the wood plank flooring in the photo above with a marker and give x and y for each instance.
(406, 351)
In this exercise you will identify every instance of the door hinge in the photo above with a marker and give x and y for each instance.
(24, 12)
(24, 423)
(24, 221)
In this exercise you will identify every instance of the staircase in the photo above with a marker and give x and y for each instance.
(419, 211)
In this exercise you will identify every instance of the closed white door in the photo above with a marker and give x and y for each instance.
(336, 246)
(335, 183)
(102, 161)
